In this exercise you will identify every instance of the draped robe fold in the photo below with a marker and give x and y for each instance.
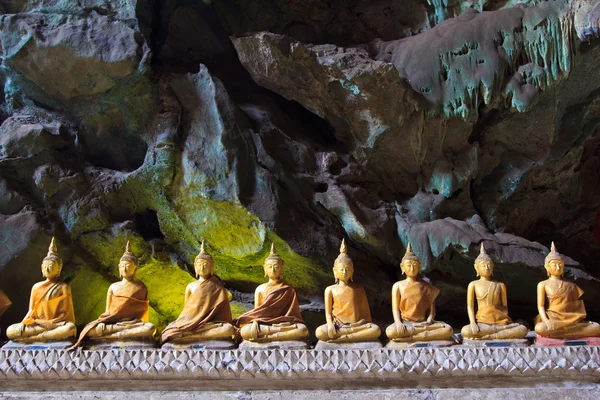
(350, 305)
(207, 303)
(493, 313)
(129, 303)
(564, 306)
(50, 307)
(416, 299)
(280, 305)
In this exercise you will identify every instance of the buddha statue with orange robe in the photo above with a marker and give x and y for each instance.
(51, 316)
(346, 307)
(491, 321)
(413, 306)
(206, 312)
(564, 317)
(276, 314)
(5, 302)
(126, 316)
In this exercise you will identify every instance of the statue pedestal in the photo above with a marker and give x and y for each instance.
(284, 345)
(584, 341)
(133, 344)
(204, 345)
(348, 346)
(408, 345)
(496, 343)
(56, 345)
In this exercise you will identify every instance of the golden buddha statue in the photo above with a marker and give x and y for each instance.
(413, 306)
(51, 316)
(346, 307)
(126, 313)
(206, 312)
(276, 314)
(564, 318)
(491, 321)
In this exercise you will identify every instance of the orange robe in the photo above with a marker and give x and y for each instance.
(350, 305)
(492, 314)
(279, 305)
(416, 299)
(50, 308)
(207, 303)
(128, 303)
(4, 302)
(564, 307)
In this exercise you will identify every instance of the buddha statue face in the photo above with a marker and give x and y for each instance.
(343, 271)
(204, 267)
(51, 269)
(555, 267)
(484, 268)
(127, 269)
(412, 268)
(273, 269)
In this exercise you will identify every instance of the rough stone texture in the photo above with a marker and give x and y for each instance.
(402, 121)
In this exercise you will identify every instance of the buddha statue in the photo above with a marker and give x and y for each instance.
(126, 313)
(206, 312)
(51, 316)
(491, 321)
(5, 302)
(276, 314)
(413, 307)
(346, 308)
(564, 318)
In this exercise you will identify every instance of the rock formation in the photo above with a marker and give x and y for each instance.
(165, 123)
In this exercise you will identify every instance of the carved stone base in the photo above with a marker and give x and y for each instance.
(348, 346)
(585, 341)
(120, 344)
(284, 345)
(57, 345)
(407, 345)
(496, 343)
(204, 345)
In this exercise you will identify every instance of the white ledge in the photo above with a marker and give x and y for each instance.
(214, 369)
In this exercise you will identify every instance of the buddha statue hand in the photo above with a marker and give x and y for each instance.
(331, 331)
(474, 328)
(401, 329)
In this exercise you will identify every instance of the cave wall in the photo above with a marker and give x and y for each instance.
(299, 123)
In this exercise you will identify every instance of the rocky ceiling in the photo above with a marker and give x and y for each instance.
(299, 122)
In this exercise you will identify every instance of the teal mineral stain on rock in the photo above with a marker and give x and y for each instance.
(351, 86)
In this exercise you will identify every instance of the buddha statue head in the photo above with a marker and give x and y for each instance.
(204, 264)
(273, 264)
(128, 264)
(554, 263)
(484, 264)
(343, 267)
(410, 264)
(52, 263)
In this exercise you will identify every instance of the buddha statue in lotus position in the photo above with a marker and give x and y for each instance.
(206, 312)
(51, 316)
(276, 314)
(346, 308)
(413, 306)
(126, 315)
(491, 321)
(564, 318)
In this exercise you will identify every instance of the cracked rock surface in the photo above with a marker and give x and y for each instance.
(299, 123)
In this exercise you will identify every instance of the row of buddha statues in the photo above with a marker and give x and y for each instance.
(276, 317)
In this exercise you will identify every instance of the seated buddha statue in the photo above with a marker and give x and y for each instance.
(51, 316)
(276, 314)
(564, 318)
(346, 308)
(413, 306)
(491, 321)
(206, 312)
(126, 312)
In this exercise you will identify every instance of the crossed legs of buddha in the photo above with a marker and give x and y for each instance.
(257, 332)
(38, 333)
